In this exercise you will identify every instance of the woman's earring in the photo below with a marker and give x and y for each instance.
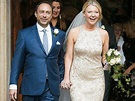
(60, 16)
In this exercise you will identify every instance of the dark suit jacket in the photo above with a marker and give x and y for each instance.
(112, 38)
(30, 54)
(112, 44)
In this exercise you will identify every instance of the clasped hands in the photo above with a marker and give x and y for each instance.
(65, 84)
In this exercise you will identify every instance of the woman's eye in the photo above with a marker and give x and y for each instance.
(58, 7)
(89, 11)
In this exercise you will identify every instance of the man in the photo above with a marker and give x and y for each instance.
(41, 64)
(113, 45)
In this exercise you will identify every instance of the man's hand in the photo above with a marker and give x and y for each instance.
(13, 94)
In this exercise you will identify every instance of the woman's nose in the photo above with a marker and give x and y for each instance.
(93, 14)
(55, 9)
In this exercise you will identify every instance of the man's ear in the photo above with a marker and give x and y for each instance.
(35, 14)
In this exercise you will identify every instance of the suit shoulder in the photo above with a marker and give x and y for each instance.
(28, 28)
(61, 32)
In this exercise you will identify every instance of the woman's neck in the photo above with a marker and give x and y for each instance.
(54, 21)
(89, 27)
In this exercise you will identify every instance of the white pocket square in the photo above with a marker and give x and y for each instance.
(57, 43)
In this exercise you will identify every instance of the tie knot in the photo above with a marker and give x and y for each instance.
(44, 30)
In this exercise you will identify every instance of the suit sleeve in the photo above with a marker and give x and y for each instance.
(18, 59)
(61, 62)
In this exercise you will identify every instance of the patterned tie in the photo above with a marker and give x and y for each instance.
(45, 41)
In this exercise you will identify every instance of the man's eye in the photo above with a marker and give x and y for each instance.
(41, 12)
(48, 12)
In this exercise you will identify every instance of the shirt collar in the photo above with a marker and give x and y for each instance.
(40, 28)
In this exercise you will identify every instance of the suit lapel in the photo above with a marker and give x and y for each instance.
(35, 31)
(53, 40)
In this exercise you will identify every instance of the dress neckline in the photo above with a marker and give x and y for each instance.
(82, 27)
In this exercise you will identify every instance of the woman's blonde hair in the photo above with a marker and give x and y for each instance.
(129, 28)
(94, 3)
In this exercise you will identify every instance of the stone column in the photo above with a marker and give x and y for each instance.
(4, 48)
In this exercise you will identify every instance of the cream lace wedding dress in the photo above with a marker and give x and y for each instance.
(87, 74)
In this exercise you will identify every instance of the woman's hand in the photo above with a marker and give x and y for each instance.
(127, 71)
(65, 84)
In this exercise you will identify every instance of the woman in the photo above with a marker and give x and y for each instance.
(129, 53)
(83, 60)
(58, 19)
(118, 31)
(129, 44)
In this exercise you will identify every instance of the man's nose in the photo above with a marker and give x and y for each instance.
(44, 15)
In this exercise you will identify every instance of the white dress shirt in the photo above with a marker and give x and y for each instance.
(48, 32)
(120, 44)
(41, 33)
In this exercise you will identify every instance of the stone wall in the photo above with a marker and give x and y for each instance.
(4, 48)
